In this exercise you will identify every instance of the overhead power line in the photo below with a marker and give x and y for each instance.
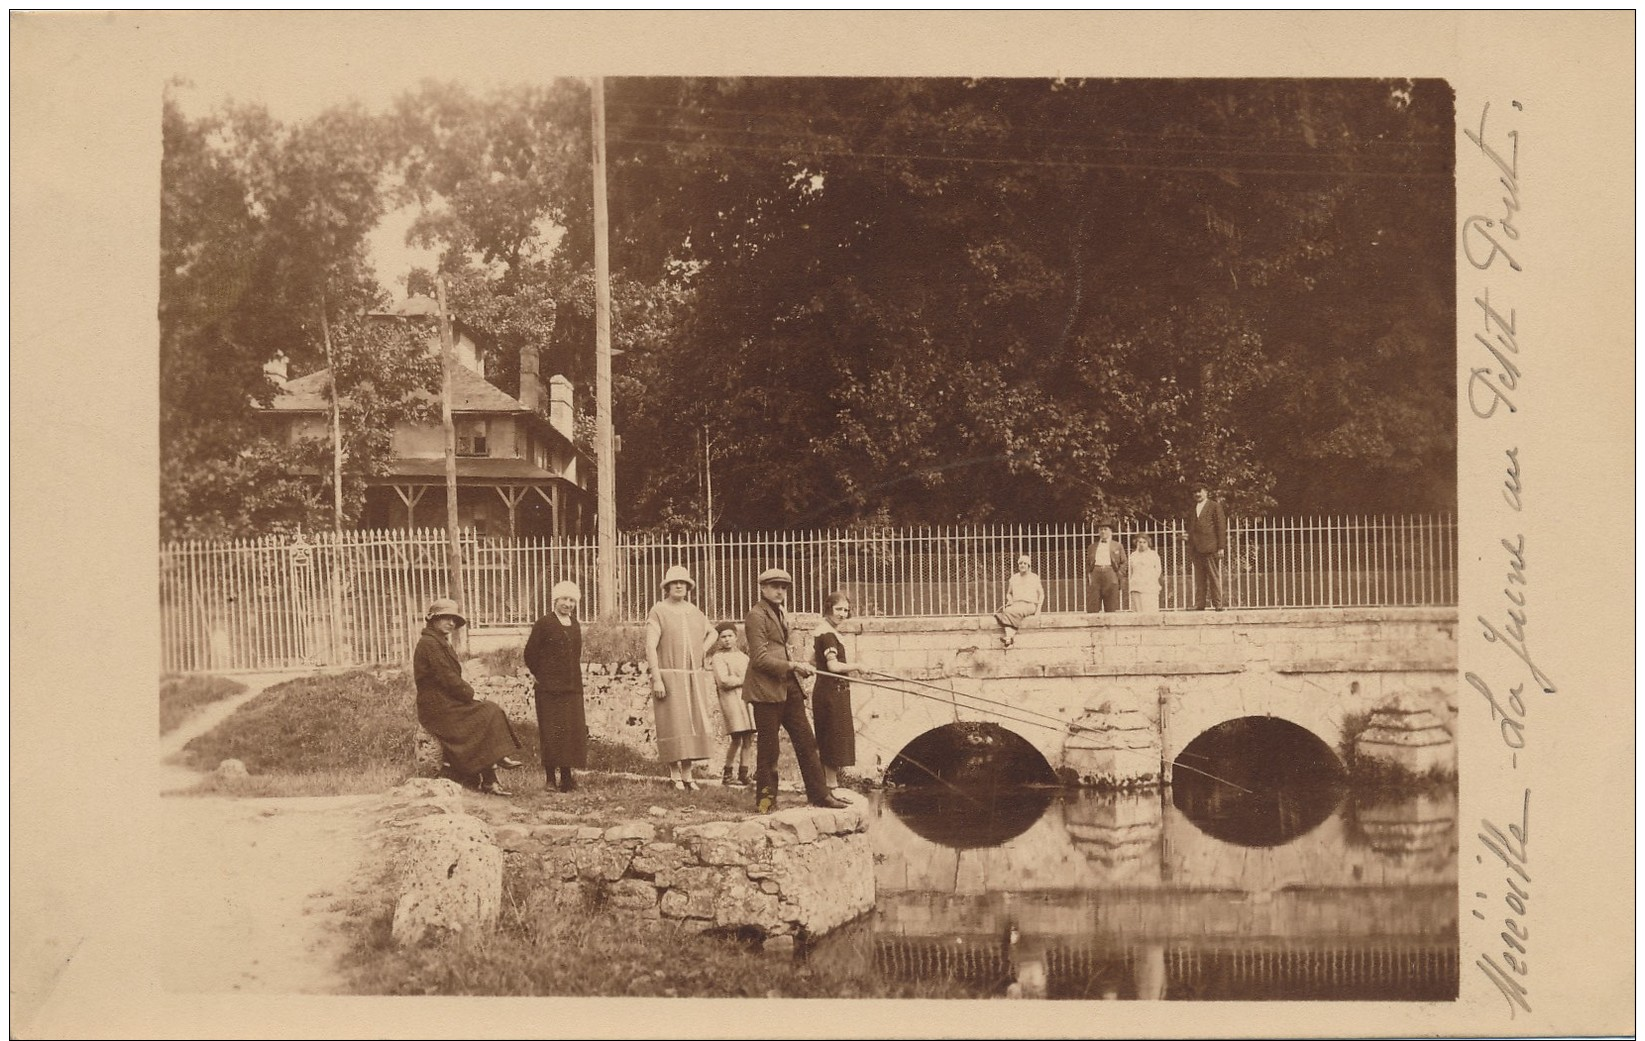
(1023, 162)
(974, 141)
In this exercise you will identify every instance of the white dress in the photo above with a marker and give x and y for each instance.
(1145, 580)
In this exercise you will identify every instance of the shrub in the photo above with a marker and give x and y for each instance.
(613, 641)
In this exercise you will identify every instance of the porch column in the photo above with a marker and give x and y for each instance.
(411, 495)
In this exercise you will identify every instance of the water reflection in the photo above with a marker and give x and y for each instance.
(1087, 896)
(969, 818)
(1258, 781)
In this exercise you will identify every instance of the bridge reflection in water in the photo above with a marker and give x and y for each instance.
(1126, 897)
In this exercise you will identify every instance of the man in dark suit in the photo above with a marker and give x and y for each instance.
(1207, 543)
(772, 689)
(1105, 572)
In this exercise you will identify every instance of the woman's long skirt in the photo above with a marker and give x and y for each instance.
(1012, 615)
(562, 729)
(682, 717)
(836, 727)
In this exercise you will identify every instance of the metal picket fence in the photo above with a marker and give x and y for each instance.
(357, 598)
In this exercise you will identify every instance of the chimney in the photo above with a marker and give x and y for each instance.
(531, 385)
(275, 368)
(559, 407)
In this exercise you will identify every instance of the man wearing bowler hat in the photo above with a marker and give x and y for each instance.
(772, 689)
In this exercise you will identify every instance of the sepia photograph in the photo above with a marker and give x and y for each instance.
(909, 539)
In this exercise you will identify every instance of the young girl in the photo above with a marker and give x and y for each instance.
(730, 666)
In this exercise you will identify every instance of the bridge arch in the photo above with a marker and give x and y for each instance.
(970, 752)
(1315, 711)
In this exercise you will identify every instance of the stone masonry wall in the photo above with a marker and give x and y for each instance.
(1108, 698)
(801, 871)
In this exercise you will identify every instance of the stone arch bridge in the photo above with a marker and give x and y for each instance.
(1113, 699)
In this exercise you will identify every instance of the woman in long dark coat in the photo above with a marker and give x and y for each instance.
(831, 700)
(476, 735)
(554, 654)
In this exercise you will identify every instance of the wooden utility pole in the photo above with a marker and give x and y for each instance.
(335, 577)
(710, 599)
(336, 426)
(448, 364)
(605, 457)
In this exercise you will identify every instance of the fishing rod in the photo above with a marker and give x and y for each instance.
(1058, 725)
(961, 792)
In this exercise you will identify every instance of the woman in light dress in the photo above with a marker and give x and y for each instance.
(1145, 577)
(677, 639)
(1024, 596)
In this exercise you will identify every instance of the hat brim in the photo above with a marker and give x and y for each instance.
(459, 619)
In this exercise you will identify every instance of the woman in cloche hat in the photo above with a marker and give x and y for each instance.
(677, 640)
(476, 735)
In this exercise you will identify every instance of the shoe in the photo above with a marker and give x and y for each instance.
(567, 782)
(677, 784)
(692, 786)
(766, 804)
(495, 789)
(831, 803)
(508, 762)
(742, 777)
(725, 778)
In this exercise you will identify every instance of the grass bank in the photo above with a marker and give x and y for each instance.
(350, 733)
(183, 696)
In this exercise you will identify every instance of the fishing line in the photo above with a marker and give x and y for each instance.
(1056, 725)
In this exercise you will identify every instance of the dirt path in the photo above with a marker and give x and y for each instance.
(254, 890)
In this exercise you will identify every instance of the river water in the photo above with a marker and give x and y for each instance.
(1200, 893)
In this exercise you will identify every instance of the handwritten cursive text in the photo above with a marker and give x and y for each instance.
(1479, 232)
(1509, 973)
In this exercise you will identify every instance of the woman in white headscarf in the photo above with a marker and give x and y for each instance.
(554, 654)
(678, 638)
(1024, 596)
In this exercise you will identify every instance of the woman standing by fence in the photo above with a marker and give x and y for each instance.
(554, 655)
(677, 638)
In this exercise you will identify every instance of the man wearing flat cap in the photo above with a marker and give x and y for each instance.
(772, 689)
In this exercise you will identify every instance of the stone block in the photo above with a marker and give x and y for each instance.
(752, 832)
(672, 904)
(633, 898)
(800, 822)
(451, 879)
(631, 831)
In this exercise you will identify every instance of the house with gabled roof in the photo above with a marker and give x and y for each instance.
(519, 470)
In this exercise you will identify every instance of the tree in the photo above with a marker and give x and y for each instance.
(262, 226)
(940, 300)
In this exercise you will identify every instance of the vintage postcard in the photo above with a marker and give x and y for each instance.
(1031, 525)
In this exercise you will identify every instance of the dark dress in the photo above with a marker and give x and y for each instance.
(553, 654)
(475, 734)
(831, 705)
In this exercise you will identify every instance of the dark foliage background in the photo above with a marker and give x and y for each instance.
(881, 300)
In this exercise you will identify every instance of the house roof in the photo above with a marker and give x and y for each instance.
(469, 393)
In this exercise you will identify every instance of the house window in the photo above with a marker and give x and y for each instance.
(471, 436)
